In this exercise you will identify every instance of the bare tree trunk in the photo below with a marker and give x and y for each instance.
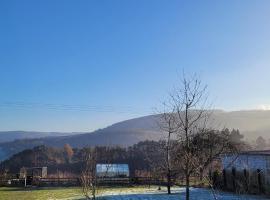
(168, 164)
(201, 175)
(168, 125)
(187, 187)
(187, 148)
(169, 182)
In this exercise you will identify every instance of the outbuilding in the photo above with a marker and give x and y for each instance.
(112, 170)
(250, 170)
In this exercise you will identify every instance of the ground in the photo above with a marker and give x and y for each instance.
(38, 194)
(127, 193)
(69, 193)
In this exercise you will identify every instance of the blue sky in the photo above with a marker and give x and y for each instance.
(81, 65)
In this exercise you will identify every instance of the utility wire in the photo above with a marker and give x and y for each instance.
(79, 108)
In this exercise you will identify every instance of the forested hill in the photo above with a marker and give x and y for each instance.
(250, 123)
(70, 160)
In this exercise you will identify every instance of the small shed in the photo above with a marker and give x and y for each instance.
(250, 167)
(33, 172)
(112, 170)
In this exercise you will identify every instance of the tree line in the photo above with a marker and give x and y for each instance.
(140, 157)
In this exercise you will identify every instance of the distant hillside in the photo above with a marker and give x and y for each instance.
(250, 123)
(47, 156)
(8, 136)
(57, 159)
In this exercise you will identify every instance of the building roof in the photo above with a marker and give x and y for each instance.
(258, 152)
(255, 153)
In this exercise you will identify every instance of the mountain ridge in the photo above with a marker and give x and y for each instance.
(251, 123)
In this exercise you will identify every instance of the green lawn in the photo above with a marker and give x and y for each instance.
(69, 193)
(39, 194)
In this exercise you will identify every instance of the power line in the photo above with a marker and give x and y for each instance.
(73, 107)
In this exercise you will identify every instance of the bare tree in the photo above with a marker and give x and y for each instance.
(198, 145)
(167, 124)
(88, 175)
(210, 145)
(192, 114)
(3, 176)
(157, 158)
(261, 143)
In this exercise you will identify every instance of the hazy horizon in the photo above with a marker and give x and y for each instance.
(115, 122)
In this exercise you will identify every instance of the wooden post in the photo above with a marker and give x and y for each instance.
(215, 179)
(246, 179)
(260, 180)
(224, 178)
(233, 178)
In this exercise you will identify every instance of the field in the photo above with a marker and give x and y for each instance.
(127, 193)
(69, 193)
(39, 194)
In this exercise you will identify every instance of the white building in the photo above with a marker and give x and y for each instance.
(112, 170)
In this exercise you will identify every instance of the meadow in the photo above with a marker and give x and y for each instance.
(12, 193)
(117, 193)
(62, 193)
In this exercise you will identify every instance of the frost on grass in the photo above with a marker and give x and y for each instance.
(178, 194)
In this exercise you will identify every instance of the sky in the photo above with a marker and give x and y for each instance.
(81, 65)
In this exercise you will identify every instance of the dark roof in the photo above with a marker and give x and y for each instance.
(31, 168)
(260, 152)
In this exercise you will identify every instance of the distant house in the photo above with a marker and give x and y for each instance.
(251, 167)
(112, 170)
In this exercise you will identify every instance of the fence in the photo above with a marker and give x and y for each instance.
(75, 181)
(243, 181)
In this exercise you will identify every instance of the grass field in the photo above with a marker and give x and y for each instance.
(69, 193)
(39, 194)
(117, 193)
